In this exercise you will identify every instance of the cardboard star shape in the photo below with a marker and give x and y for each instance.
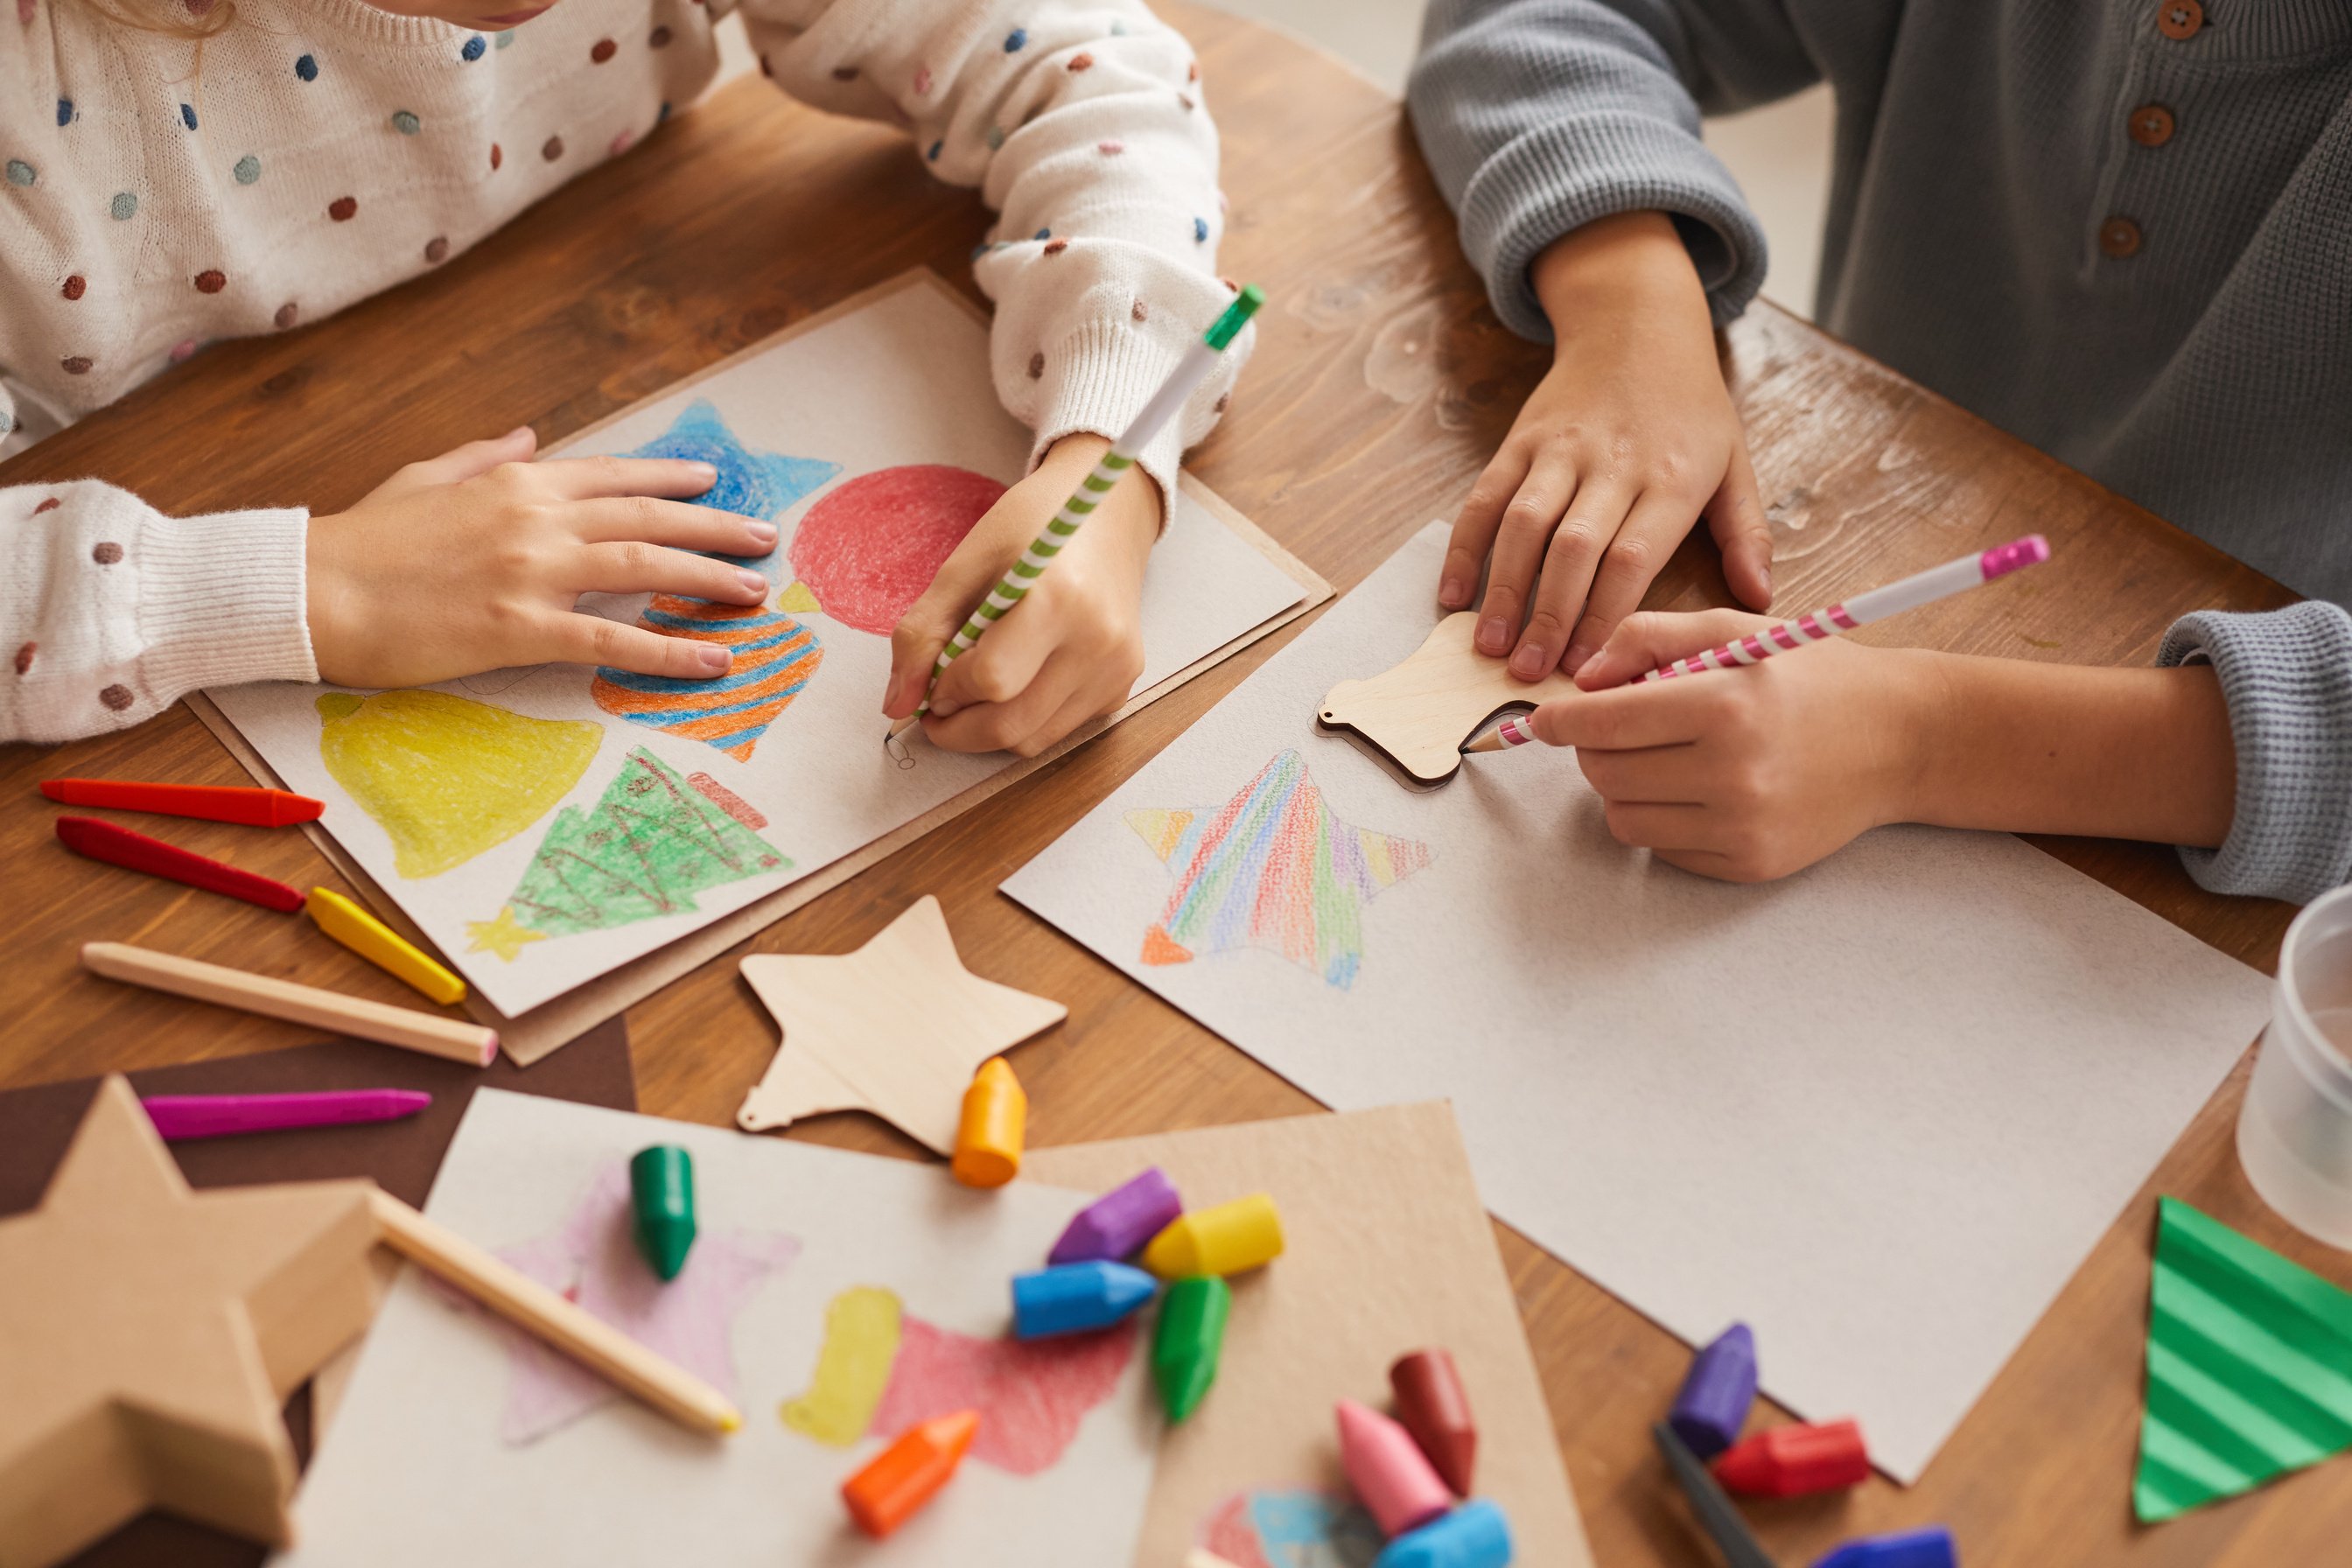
(148, 1336)
(1416, 715)
(896, 1028)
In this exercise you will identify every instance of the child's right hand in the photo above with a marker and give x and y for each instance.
(473, 561)
(1622, 446)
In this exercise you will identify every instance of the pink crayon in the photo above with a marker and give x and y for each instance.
(1116, 1224)
(1391, 1476)
(180, 1117)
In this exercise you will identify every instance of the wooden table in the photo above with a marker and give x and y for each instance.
(1381, 382)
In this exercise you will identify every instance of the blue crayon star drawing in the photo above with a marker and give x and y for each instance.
(754, 484)
(1272, 867)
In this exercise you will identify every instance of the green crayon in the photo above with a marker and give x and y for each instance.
(1192, 1332)
(661, 1189)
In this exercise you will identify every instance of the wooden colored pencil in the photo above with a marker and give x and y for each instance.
(533, 1307)
(430, 1033)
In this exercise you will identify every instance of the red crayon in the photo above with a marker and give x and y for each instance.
(1431, 1405)
(214, 803)
(137, 852)
(1790, 1461)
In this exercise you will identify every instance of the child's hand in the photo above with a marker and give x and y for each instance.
(1069, 650)
(1749, 774)
(473, 561)
(1626, 441)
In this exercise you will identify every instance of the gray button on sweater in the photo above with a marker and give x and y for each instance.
(2196, 356)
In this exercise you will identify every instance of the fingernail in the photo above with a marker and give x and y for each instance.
(753, 583)
(1531, 661)
(1494, 635)
(518, 433)
(941, 709)
(714, 659)
(1767, 575)
(1578, 654)
(764, 534)
(1454, 594)
(705, 472)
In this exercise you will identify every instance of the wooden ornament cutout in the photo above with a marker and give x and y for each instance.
(148, 1336)
(897, 1028)
(1417, 714)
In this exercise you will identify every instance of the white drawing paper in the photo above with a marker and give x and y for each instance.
(1880, 1109)
(539, 856)
(456, 1443)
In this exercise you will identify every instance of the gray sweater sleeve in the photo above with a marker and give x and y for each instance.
(2287, 676)
(1538, 116)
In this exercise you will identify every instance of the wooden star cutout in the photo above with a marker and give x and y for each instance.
(897, 1028)
(148, 1336)
(1416, 715)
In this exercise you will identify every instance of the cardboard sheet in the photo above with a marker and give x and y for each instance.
(1387, 1251)
(1880, 1109)
(549, 827)
(838, 1298)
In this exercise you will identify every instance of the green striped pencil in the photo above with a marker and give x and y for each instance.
(1190, 372)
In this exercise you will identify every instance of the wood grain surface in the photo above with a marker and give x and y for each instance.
(1381, 382)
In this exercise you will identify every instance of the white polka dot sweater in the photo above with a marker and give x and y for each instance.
(326, 151)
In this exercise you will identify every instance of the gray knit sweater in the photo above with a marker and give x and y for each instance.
(2121, 229)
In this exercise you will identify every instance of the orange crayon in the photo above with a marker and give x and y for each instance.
(903, 1475)
(995, 1120)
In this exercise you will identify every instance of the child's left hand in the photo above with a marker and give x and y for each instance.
(1073, 647)
(1749, 774)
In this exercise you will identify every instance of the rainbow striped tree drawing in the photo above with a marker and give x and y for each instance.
(1272, 867)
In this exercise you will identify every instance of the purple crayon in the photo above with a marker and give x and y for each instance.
(1119, 1223)
(1928, 1548)
(1713, 1404)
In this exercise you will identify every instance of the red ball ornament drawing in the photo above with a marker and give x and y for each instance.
(866, 551)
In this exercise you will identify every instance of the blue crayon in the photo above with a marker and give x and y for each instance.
(1076, 1297)
(1475, 1535)
(1928, 1548)
(1713, 1404)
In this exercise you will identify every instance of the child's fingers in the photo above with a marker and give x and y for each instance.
(1647, 775)
(1702, 863)
(591, 478)
(678, 524)
(1527, 528)
(1004, 666)
(996, 726)
(1668, 828)
(1654, 638)
(1628, 567)
(1080, 710)
(1595, 517)
(1735, 517)
(1625, 717)
(581, 639)
(635, 567)
(463, 463)
(1474, 526)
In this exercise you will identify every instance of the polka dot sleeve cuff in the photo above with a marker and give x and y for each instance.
(111, 611)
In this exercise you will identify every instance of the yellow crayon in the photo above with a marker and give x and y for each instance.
(1228, 1239)
(382, 946)
(995, 1118)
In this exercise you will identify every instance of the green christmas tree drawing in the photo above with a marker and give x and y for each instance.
(645, 849)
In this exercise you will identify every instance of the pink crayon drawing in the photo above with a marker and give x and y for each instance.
(727, 801)
(1031, 1395)
(593, 1260)
(866, 551)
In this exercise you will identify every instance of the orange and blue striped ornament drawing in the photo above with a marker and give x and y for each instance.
(775, 655)
(1273, 867)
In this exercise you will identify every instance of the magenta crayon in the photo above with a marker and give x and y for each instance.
(1393, 1478)
(1793, 1461)
(1716, 1394)
(182, 1117)
(1117, 1225)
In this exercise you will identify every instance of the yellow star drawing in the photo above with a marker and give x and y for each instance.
(502, 936)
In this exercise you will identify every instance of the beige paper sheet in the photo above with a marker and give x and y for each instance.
(533, 1034)
(1389, 1250)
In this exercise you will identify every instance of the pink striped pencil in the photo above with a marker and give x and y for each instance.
(1819, 626)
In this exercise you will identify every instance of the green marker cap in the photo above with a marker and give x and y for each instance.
(1191, 1337)
(1243, 308)
(661, 1193)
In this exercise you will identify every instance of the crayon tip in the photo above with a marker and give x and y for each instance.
(53, 788)
(732, 1422)
(661, 1190)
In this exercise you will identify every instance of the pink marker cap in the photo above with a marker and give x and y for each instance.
(1391, 1476)
(2018, 553)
